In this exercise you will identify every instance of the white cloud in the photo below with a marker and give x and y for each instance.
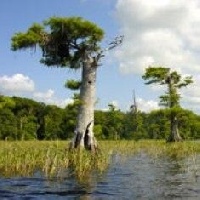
(44, 95)
(50, 98)
(191, 96)
(22, 85)
(146, 105)
(63, 103)
(161, 32)
(16, 84)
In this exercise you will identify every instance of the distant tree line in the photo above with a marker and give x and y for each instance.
(26, 119)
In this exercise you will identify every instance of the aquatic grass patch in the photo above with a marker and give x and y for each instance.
(123, 147)
(52, 158)
(180, 149)
(185, 155)
(161, 148)
(82, 163)
(23, 158)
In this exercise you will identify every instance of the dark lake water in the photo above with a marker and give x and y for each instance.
(134, 177)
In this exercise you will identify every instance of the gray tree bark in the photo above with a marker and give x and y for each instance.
(84, 135)
(174, 132)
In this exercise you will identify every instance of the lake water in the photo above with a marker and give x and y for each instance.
(134, 177)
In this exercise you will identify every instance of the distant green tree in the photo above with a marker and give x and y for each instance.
(6, 102)
(114, 122)
(50, 122)
(24, 111)
(98, 129)
(109, 123)
(101, 124)
(134, 125)
(53, 120)
(8, 124)
(195, 130)
(189, 124)
(157, 124)
(68, 124)
(29, 129)
(40, 113)
(171, 99)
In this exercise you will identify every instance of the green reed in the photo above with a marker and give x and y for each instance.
(23, 158)
(53, 158)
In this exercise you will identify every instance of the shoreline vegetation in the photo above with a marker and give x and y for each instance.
(52, 158)
(26, 119)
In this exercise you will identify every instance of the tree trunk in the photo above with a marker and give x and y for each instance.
(84, 136)
(174, 133)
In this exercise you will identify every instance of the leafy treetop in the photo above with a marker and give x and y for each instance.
(63, 41)
(173, 80)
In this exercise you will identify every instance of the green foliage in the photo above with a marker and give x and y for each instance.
(111, 122)
(63, 41)
(73, 84)
(134, 126)
(69, 118)
(157, 124)
(98, 131)
(28, 39)
(155, 75)
(173, 80)
(28, 128)
(8, 123)
(114, 123)
(171, 99)
(158, 127)
(6, 102)
(75, 28)
(25, 119)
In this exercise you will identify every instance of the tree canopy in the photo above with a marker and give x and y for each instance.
(173, 81)
(63, 41)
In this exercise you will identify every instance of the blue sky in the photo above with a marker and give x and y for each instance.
(156, 32)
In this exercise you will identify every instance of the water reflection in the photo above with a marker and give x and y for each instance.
(172, 178)
(136, 177)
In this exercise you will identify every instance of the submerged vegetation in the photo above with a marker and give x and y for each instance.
(52, 159)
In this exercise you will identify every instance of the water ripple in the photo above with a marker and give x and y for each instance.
(137, 177)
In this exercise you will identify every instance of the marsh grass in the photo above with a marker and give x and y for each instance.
(24, 158)
(52, 158)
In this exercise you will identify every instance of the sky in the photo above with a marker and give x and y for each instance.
(156, 33)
